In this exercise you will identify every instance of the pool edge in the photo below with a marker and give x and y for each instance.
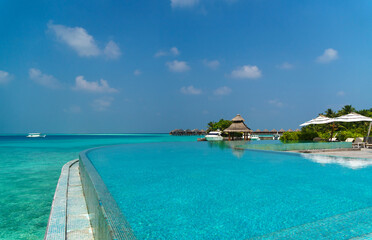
(107, 220)
(57, 222)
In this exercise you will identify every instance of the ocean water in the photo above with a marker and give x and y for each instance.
(29, 171)
(207, 191)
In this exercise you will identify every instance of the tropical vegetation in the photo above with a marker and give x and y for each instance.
(221, 125)
(342, 131)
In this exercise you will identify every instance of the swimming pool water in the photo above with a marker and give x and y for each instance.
(29, 171)
(200, 191)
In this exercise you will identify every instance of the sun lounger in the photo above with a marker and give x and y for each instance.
(358, 143)
(349, 140)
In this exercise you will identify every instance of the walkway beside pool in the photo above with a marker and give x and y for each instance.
(69, 217)
(352, 153)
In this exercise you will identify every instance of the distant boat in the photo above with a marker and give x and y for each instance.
(214, 136)
(255, 137)
(276, 137)
(35, 135)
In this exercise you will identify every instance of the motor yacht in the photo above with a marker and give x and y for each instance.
(214, 136)
(35, 135)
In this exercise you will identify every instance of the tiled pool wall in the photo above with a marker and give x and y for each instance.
(297, 146)
(106, 218)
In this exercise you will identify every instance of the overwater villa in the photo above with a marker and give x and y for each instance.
(238, 126)
(187, 132)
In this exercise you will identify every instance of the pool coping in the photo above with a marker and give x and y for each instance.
(107, 219)
(57, 223)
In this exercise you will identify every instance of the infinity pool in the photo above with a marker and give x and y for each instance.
(197, 191)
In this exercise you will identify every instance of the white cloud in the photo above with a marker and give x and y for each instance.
(102, 104)
(183, 3)
(276, 103)
(77, 38)
(5, 77)
(137, 72)
(171, 52)
(329, 55)
(174, 51)
(112, 50)
(213, 64)
(73, 109)
(246, 71)
(191, 90)
(100, 87)
(341, 93)
(161, 53)
(178, 66)
(45, 80)
(222, 91)
(285, 66)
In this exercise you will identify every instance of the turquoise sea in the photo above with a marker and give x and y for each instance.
(29, 171)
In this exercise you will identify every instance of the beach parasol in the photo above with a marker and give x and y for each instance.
(355, 117)
(319, 120)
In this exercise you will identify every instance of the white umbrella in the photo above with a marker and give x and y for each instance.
(355, 117)
(319, 120)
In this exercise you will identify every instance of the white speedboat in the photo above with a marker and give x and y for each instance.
(276, 137)
(254, 137)
(35, 135)
(214, 136)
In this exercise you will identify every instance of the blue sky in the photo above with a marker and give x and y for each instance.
(152, 66)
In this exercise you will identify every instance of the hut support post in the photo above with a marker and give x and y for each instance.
(333, 129)
(369, 131)
(229, 137)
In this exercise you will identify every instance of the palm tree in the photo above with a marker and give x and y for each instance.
(347, 109)
(330, 113)
(210, 126)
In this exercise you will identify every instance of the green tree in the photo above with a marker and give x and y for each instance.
(342, 129)
(330, 113)
(346, 110)
(222, 125)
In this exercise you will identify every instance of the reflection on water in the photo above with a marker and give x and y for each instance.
(353, 163)
(228, 144)
(238, 152)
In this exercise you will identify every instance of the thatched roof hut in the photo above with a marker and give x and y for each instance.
(274, 131)
(238, 125)
(238, 118)
(282, 130)
(297, 130)
(289, 130)
(177, 132)
(266, 131)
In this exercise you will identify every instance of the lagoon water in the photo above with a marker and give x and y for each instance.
(29, 171)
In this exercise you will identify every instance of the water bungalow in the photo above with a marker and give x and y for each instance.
(238, 126)
(187, 132)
